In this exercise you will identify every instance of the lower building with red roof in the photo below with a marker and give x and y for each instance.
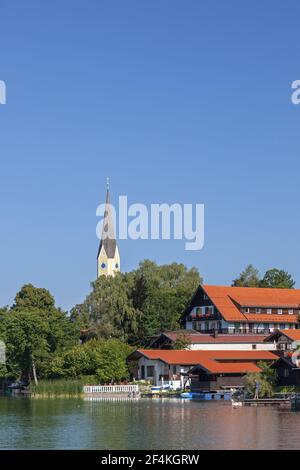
(219, 368)
(284, 340)
(195, 340)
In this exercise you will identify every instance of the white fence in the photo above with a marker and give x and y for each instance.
(111, 388)
(111, 398)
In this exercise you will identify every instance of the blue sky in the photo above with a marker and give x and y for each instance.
(181, 101)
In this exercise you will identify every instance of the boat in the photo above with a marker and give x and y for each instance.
(160, 388)
(186, 395)
(206, 395)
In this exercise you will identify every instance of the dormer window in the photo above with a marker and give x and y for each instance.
(291, 311)
(279, 311)
(258, 310)
(269, 311)
(246, 310)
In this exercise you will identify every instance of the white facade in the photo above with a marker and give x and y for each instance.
(210, 325)
(160, 373)
(200, 323)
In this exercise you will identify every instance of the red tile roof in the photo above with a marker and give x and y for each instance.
(203, 338)
(212, 361)
(229, 368)
(272, 318)
(228, 299)
(294, 335)
(187, 357)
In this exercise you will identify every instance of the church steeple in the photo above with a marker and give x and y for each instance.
(108, 258)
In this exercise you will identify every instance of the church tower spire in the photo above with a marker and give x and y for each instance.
(108, 257)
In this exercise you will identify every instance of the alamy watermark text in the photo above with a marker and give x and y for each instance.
(158, 221)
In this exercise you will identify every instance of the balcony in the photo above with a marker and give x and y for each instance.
(206, 316)
(238, 331)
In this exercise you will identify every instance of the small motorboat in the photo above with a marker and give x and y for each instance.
(206, 396)
(186, 395)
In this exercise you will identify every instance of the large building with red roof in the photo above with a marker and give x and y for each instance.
(242, 310)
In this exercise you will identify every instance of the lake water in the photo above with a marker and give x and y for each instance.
(143, 424)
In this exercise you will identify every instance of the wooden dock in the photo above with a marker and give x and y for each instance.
(279, 402)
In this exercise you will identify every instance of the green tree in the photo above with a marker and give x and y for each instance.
(108, 310)
(278, 278)
(71, 363)
(61, 331)
(161, 295)
(105, 359)
(26, 344)
(112, 366)
(273, 278)
(30, 297)
(248, 278)
(266, 379)
(34, 329)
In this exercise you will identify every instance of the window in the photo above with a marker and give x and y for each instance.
(257, 310)
(246, 310)
(150, 371)
(279, 311)
(286, 372)
(282, 326)
(174, 370)
(269, 311)
(291, 311)
(253, 346)
(142, 372)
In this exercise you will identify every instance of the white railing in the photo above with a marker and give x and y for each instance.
(111, 388)
(111, 398)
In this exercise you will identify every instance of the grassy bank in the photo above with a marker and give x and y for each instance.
(60, 387)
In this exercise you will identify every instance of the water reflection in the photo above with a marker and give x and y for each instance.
(142, 424)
